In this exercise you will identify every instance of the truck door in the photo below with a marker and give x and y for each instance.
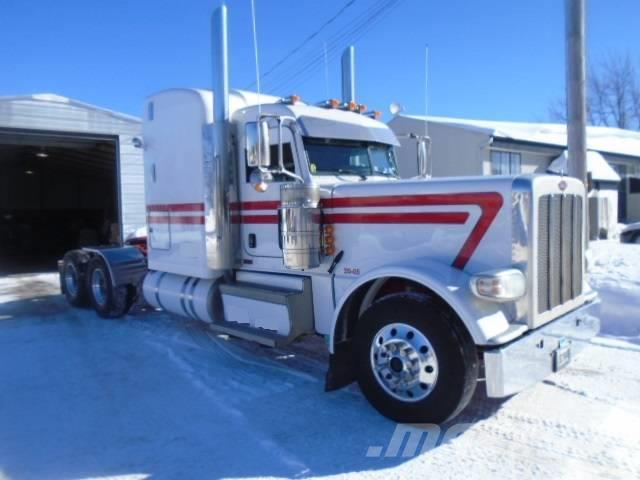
(257, 212)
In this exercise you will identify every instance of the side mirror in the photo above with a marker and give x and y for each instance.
(257, 144)
(264, 151)
(423, 156)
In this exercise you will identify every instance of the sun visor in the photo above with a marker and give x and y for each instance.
(366, 130)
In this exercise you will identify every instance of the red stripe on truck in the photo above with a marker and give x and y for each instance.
(262, 205)
(489, 203)
(405, 218)
(184, 220)
(254, 219)
(176, 207)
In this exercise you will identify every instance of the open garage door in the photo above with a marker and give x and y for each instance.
(57, 192)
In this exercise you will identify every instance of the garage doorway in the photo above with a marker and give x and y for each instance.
(58, 191)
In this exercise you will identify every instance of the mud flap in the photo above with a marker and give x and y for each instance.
(342, 370)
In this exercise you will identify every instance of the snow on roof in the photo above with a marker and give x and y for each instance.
(601, 139)
(54, 98)
(596, 164)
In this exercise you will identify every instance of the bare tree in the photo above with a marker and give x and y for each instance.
(613, 95)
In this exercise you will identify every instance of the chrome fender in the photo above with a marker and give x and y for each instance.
(486, 321)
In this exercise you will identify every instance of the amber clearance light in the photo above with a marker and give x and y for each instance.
(328, 240)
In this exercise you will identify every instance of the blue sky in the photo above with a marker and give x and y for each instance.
(500, 59)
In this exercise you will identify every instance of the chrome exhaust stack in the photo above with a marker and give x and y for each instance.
(349, 75)
(219, 183)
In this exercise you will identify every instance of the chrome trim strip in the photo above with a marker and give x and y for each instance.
(157, 293)
(182, 296)
(522, 241)
(190, 299)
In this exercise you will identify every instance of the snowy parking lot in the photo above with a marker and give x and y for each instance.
(153, 396)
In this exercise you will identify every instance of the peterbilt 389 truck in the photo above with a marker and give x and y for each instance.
(270, 220)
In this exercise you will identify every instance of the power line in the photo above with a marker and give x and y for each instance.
(352, 33)
(305, 41)
(355, 26)
(303, 62)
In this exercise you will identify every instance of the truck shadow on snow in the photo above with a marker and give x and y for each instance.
(153, 395)
(618, 313)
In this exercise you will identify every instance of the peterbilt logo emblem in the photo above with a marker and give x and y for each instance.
(562, 185)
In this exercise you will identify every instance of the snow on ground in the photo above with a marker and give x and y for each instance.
(152, 396)
(615, 274)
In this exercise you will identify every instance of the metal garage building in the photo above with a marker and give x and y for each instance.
(69, 176)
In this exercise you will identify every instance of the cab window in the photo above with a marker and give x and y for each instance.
(288, 160)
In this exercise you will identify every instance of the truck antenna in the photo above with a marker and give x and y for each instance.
(255, 53)
(326, 72)
(426, 108)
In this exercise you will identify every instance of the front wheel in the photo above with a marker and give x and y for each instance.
(415, 365)
(108, 301)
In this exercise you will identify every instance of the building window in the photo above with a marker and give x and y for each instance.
(505, 163)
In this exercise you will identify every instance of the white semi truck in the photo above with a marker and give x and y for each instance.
(270, 219)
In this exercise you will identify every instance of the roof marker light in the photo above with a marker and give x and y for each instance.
(291, 99)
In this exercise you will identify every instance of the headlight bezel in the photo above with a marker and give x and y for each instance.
(501, 285)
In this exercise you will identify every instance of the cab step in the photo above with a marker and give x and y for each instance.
(269, 315)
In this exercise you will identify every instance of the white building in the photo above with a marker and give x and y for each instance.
(69, 175)
(476, 147)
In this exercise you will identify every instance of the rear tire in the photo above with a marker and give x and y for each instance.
(415, 363)
(108, 301)
(72, 281)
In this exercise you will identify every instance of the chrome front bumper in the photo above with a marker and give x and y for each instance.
(531, 358)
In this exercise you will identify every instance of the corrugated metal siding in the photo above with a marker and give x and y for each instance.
(131, 185)
(53, 113)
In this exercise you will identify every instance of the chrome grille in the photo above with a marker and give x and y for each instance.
(559, 250)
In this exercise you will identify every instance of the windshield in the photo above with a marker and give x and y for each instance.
(348, 157)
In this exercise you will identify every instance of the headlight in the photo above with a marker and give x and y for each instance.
(499, 285)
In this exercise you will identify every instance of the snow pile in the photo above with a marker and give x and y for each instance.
(21, 287)
(596, 165)
(614, 271)
(631, 226)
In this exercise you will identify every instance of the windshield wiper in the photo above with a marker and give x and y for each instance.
(346, 171)
(387, 174)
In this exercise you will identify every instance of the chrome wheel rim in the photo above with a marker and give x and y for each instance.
(99, 287)
(404, 362)
(71, 279)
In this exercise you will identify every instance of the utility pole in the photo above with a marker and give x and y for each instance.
(576, 89)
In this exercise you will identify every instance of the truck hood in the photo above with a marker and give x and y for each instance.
(418, 186)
